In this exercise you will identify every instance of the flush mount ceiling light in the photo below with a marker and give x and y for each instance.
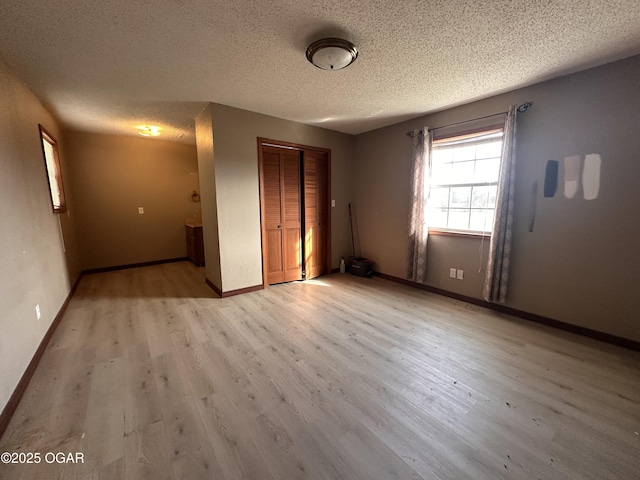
(149, 130)
(332, 53)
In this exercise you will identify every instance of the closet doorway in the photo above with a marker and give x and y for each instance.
(294, 211)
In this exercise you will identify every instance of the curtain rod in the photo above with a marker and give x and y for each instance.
(522, 108)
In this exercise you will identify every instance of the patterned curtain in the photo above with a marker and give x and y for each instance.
(495, 282)
(418, 229)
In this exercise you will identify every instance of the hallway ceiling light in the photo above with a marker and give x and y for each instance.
(332, 53)
(149, 130)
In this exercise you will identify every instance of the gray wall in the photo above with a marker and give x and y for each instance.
(581, 264)
(235, 156)
(36, 265)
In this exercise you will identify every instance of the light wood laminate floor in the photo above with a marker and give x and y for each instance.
(151, 377)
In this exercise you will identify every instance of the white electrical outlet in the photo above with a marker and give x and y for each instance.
(452, 272)
(141, 210)
(38, 311)
(460, 275)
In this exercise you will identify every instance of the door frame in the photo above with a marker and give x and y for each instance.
(294, 146)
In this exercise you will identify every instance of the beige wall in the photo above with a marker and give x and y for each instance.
(34, 266)
(206, 167)
(581, 264)
(237, 187)
(111, 176)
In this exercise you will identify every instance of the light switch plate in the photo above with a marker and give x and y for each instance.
(452, 272)
(141, 210)
(460, 274)
(333, 203)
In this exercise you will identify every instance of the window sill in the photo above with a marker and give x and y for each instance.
(458, 233)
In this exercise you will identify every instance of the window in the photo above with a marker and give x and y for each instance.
(464, 181)
(54, 175)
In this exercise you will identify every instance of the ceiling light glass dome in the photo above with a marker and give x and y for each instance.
(332, 53)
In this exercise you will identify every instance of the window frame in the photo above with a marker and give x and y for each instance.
(444, 231)
(53, 170)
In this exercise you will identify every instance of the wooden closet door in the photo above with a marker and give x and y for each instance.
(281, 214)
(315, 212)
(291, 207)
(272, 215)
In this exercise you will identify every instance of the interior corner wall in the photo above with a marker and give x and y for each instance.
(206, 167)
(580, 265)
(236, 135)
(113, 175)
(38, 266)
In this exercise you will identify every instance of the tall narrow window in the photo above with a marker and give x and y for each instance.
(54, 175)
(464, 180)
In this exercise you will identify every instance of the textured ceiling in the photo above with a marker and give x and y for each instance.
(108, 66)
